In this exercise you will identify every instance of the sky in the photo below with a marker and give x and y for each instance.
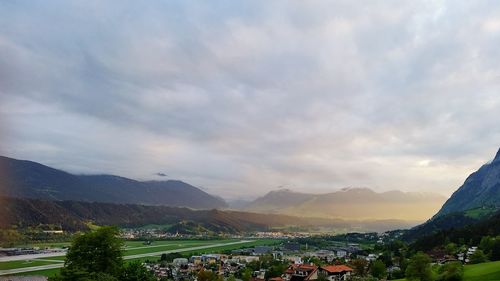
(243, 97)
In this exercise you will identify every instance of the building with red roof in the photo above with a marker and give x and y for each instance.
(336, 272)
(301, 272)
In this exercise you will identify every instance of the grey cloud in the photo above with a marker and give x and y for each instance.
(241, 97)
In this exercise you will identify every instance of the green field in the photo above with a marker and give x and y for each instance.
(137, 247)
(488, 271)
(478, 213)
(20, 264)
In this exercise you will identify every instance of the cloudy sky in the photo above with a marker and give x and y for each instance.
(243, 97)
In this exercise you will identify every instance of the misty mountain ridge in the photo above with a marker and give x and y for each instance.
(27, 179)
(350, 203)
(22, 213)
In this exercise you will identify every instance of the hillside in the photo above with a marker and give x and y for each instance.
(74, 215)
(477, 199)
(350, 203)
(480, 190)
(470, 232)
(27, 179)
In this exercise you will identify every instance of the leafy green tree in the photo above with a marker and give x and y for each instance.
(103, 277)
(453, 271)
(495, 250)
(378, 269)
(451, 248)
(477, 257)
(247, 274)
(93, 256)
(135, 271)
(386, 258)
(275, 270)
(486, 244)
(231, 278)
(359, 266)
(72, 274)
(97, 251)
(254, 265)
(170, 257)
(9, 237)
(419, 268)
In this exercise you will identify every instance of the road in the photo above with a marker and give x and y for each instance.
(59, 265)
(32, 257)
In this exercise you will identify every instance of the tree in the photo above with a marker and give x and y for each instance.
(247, 275)
(419, 268)
(94, 255)
(207, 275)
(477, 257)
(453, 271)
(386, 258)
(170, 256)
(495, 249)
(135, 271)
(486, 244)
(9, 237)
(231, 278)
(451, 248)
(378, 269)
(275, 270)
(359, 266)
(97, 251)
(72, 274)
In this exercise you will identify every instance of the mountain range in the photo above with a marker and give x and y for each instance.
(27, 179)
(350, 203)
(22, 213)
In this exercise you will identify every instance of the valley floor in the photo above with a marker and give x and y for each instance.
(134, 250)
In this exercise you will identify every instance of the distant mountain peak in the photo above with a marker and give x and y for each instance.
(357, 189)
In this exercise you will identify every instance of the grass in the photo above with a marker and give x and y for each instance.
(45, 245)
(22, 264)
(478, 213)
(488, 271)
(47, 272)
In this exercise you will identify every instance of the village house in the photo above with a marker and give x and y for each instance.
(301, 272)
(336, 272)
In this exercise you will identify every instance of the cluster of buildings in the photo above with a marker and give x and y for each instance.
(235, 263)
(280, 235)
(441, 257)
(29, 251)
(187, 268)
(154, 233)
(224, 266)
